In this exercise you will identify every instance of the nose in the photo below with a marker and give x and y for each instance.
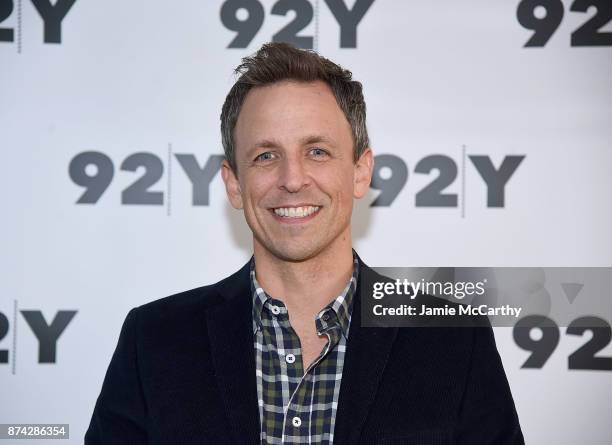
(293, 175)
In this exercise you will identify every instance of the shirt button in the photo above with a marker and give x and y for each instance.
(275, 310)
(290, 358)
(326, 316)
(296, 421)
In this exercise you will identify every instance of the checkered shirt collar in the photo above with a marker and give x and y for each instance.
(339, 310)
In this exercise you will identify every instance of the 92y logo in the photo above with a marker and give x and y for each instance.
(433, 195)
(233, 18)
(94, 171)
(51, 13)
(586, 357)
(543, 17)
(46, 333)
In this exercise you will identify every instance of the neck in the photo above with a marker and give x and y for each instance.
(306, 287)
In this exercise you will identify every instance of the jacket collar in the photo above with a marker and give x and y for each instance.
(231, 342)
(367, 354)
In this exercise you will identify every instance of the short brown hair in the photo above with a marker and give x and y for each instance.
(280, 61)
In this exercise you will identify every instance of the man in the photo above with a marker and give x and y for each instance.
(276, 352)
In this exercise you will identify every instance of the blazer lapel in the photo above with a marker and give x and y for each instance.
(231, 338)
(367, 354)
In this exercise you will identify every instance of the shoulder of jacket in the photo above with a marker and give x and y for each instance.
(189, 301)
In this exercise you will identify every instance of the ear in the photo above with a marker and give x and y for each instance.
(363, 173)
(232, 186)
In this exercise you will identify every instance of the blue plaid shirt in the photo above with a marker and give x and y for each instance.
(298, 406)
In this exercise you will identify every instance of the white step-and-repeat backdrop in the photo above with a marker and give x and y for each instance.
(491, 121)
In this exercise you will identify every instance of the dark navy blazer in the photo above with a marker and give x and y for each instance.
(184, 373)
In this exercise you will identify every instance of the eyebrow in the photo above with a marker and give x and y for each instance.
(306, 140)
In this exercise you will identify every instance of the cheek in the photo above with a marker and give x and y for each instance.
(255, 186)
(340, 187)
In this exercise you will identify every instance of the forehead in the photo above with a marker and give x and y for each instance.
(289, 110)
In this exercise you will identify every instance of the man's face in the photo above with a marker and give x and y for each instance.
(296, 178)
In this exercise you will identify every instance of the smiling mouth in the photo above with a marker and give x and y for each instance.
(296, 212)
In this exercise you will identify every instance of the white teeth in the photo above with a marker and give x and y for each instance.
(296, 212)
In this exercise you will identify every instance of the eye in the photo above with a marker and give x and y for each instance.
(318, 152)
(266, 156)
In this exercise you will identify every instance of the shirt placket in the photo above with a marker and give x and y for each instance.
(288, 355)
(297, 421)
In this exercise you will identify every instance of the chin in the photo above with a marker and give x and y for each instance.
(294, 253)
